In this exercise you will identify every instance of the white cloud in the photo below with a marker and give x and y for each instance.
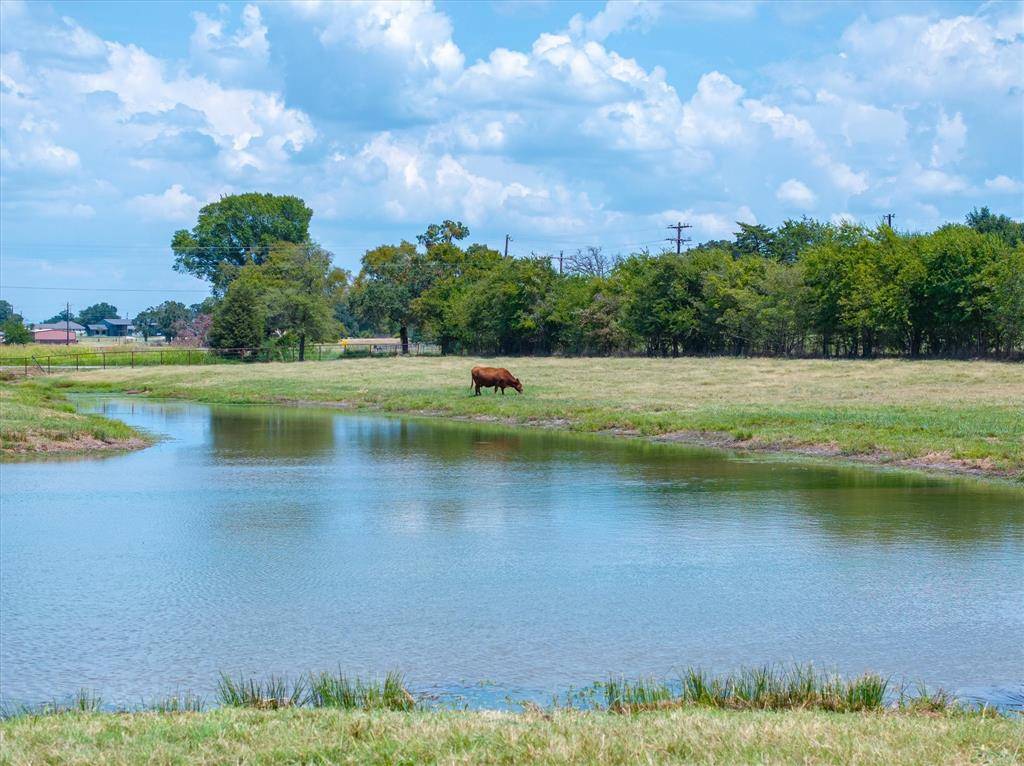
(933, 181)
(240, 56)
(174, 204)
(950, 139)
(1004, 185)
(801, 133)
(616, 16)
(966, 55)
(709, 224)
(252, 128)
(793, 192)
(414, 33)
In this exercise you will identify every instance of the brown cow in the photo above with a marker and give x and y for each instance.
(494, 377)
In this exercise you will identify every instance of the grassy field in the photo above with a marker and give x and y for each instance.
(965, 417)
(694, 736)
(35, 419)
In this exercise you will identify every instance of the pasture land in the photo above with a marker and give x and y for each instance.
(958, 417)
(687, 735)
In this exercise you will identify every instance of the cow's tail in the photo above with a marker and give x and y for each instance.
(472, 381)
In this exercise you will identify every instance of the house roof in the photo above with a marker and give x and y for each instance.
(60, 326)
(96, 326)
(118, 322)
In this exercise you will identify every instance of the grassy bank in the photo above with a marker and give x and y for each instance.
(36, 419)
(233, 735)
(962, 417)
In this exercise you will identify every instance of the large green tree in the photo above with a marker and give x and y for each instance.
(97, 313)
(240, 319)
(301, 290)
(237, 230)
(392, 277)
(15, 332)
(6, 311)
(162, 319)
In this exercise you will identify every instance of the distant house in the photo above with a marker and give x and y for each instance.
(96, 329)
(72, 326)
(119, 328)
(51, 335)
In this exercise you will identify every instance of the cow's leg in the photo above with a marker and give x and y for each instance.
(477, 389)
(502, 390)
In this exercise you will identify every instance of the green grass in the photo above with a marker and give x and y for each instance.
(938, 415)
(764, 688)
(684, 735)
(38, 419)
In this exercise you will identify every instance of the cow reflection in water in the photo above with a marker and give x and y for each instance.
(494, 377)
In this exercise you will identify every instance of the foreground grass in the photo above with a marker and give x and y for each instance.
(950, 416)
(233, 735)
(36, 419)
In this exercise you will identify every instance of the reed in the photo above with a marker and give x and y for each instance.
(179, 702)
(761, 688)
(336, 690)
(271, 693)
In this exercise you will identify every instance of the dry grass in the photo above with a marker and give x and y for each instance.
(562, 737)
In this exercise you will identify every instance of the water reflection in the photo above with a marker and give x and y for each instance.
(280, 540)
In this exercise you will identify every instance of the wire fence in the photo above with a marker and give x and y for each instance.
(101, 360)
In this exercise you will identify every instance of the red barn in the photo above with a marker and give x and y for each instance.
(54, 336)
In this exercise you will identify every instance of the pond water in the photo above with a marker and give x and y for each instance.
(486, 562)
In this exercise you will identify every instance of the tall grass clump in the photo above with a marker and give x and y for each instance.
(336, 690)
(270, 694)
(179, 702)
(762, 688)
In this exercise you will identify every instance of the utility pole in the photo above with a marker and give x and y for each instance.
(508, 238)
(888, 219)
(679, 239)
(67, 323)
(561, 256)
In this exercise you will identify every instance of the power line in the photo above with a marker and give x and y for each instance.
(107, 289)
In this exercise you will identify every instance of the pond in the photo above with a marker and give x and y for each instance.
(486, 562)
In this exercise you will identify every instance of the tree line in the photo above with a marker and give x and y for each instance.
(803, 288)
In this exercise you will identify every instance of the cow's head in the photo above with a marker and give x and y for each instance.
(517, 385)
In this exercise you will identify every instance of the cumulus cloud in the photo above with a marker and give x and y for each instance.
(794, 192)
(415, 33)
(616, 16)
(174, 204)
(1004, 185)
(241, 56)
(252, 128)
(950, 139)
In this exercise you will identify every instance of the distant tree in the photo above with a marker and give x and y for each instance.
(193, 333)
(6, 311)
(161, 319)
(755, 239)
(15, 332)
(392, 277)
(302, 288)
(240, 319)
(985, 221)
(97, 313)
(207, 306)
(237, 230)
(443, 233)
(63, 316)
(589, 262)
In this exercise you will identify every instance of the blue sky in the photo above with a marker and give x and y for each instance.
(564, 124)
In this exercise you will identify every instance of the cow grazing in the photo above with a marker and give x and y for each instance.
(494, 377)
